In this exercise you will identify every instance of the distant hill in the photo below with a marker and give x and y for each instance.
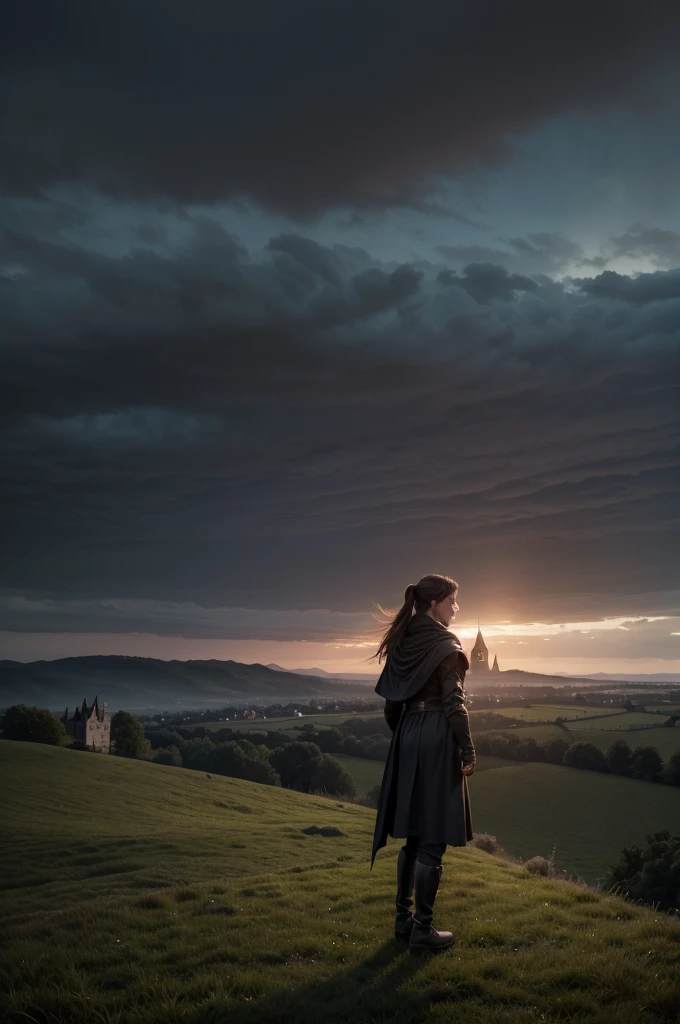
(656, 677)
(361, 677)
(136, 683)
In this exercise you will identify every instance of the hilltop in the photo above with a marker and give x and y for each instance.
(136, 893)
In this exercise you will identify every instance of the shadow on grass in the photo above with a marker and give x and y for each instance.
(369, 992)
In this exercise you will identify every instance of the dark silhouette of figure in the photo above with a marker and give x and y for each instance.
(424, 794)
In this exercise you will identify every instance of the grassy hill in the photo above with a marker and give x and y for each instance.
(134, 893)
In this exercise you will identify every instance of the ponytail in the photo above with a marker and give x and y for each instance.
(417, 598)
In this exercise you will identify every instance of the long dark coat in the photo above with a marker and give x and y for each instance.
(424, 791)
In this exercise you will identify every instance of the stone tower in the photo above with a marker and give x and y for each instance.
(479, 657)
(90, 726)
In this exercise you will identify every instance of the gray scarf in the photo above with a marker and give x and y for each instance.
(412, 661)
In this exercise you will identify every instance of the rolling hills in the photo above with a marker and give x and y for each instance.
(135, 683)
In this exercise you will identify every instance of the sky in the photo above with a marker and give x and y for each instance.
(301, 302)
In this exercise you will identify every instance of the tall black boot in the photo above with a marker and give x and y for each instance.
(425, 938)
(406, 865)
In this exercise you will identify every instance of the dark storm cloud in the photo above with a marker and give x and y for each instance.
(486, 282)
(657, 287)
(541, 252)
(310, 428)
(302, 106)
(659, 244)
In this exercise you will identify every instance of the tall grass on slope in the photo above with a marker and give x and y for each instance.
(188, 936)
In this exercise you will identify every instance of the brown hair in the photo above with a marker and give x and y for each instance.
(419, 596)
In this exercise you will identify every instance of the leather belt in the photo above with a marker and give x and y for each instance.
(411, 706)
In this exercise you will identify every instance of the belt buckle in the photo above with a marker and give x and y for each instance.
(421, 705)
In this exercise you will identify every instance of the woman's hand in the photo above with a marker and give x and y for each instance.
(468, 769)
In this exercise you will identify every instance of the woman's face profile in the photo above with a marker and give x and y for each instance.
(446, 609)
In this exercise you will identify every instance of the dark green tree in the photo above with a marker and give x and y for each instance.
(352, 746)
(373, 794)
(673, 769)
(195, 753)
(168, 755)
(329, 740)
(529, 749)
(618, 758)
(334, 778)
(650, 874)
(159, 738)
(377, 749)
(230, 759)
(646, 763)
(555, 750)
(500, 746)
(128, 735)
(585, 755)
(22, 722)
(298, 764)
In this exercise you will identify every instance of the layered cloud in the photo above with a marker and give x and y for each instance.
(309, 427)
(303, 106)
(300, 302)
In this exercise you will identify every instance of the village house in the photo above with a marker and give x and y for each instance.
(90, 726)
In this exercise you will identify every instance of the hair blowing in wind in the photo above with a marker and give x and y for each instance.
(417, 597)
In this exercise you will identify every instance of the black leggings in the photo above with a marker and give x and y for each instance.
(426, 853)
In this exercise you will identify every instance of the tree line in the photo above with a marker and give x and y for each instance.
(264, 756)
(641, 762)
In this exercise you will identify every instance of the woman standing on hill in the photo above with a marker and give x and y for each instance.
(424, 794)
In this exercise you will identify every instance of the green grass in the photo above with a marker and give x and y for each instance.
(548, 712)
(589, 815)
(539, 732)
(220, 910)
(531, 807)
(628, 720)
(366, 773)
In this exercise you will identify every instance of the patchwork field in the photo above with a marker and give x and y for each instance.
(628, 720)
(135, 893)
(549, 712)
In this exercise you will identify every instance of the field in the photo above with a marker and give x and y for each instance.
(666, 741)
(366, 773)
(140, 894)
(628, 720)
(549, 712)
(530, 807)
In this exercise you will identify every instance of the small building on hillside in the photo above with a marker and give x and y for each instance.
(90, 726)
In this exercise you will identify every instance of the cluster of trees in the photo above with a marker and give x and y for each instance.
(356, 736)
(650, 874)
(643, 762)
(34, 725)
(280, 761)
